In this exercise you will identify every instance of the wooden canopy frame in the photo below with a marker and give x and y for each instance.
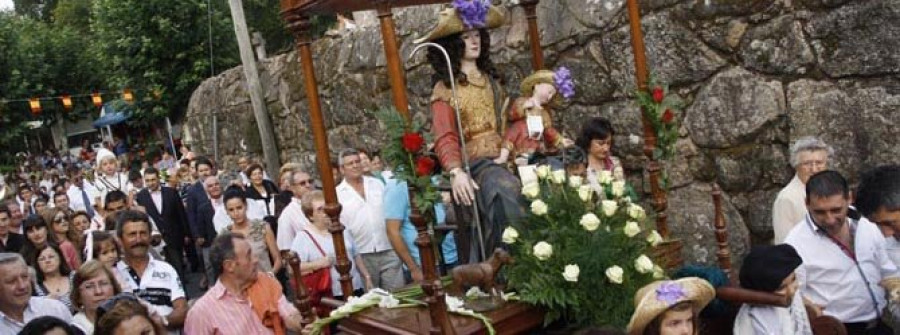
(297, 14)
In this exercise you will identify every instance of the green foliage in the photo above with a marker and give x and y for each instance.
(404, 161)
(160, 43)
(593, 298)
(75, 14)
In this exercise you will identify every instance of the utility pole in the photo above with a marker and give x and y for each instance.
(251, 73)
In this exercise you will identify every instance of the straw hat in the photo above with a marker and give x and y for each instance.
(540, 77)
(657, 297)
(449, 23)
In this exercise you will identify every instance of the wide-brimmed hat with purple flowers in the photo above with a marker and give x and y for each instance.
(657, 297)
(465, 15)
(561, 79)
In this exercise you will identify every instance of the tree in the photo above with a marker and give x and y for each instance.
(160, 46)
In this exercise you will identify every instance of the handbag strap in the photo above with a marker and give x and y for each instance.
(315, 242)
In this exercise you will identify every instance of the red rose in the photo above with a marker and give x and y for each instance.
(424, 166)
(413, 142)
(668, 116)
(657, 94)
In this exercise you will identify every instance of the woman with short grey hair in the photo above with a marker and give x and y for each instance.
(809, 155)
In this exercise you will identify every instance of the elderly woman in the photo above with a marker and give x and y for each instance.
(809, 155)
(92, 284)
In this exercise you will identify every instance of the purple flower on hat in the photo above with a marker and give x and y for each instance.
(473, 13)
(564, 83)
(670, 292)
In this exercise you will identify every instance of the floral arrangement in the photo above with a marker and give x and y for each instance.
(406, 152)
(581, 254)
(473, 13)
(659, 107)
(564, 83)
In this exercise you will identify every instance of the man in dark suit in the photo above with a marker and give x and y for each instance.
(196, 194)
(164, 207)
(9, 242)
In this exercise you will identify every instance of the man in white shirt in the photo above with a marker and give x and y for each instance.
(361, 198)
(81, 194)
(152, 280)
(809, 156)
(878, 200)
(17, 306)
(292, 218)
(844, 260)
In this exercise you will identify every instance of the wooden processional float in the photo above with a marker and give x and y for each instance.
(297, 14)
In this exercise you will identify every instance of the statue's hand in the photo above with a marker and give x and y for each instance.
(463, 187)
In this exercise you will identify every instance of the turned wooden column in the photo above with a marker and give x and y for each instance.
(431, 285)
(301, 296)
(534, 36)
(396, 74)
(653, 166)
(299, 24)
(723, 255)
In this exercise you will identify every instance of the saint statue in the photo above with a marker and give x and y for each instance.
(462, 31)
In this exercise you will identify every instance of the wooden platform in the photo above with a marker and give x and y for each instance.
(512, 318)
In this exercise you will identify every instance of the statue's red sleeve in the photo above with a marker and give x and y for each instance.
(446, 144)
(551, 137)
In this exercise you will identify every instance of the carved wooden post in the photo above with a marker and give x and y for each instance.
(724, 253)
(301, 301)
(299, 24)
(396, 74)
(537, 53)
(431, 285)
(653, 167)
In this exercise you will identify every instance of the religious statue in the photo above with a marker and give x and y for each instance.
(462, 31)
(531, 115)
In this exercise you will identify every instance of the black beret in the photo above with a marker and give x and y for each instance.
(765, 267)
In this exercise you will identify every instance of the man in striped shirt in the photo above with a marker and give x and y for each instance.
(244, 300)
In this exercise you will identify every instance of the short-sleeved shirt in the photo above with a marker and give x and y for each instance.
(847, 288)
(291, 221)
(37, 307)
(159, 285)
(396, 207)
(220, 312)
(364, 217)
(307, 251)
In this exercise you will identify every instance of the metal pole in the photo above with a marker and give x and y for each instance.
(462, 140)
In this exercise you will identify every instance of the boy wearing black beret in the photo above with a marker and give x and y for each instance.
(771, 269)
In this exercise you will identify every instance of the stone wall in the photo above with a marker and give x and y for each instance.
(754, 75)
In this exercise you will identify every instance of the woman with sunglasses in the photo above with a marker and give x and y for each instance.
(51, 274)
(93, 284)
(63, 235)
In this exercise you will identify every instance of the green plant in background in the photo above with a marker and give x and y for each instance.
(581, 254)
(406, 151)
(660, 107)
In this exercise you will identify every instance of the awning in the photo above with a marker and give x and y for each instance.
(109, 116)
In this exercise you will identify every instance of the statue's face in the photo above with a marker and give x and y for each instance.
(472, 38)
(544, 92)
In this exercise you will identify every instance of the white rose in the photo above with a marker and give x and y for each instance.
(654, 238)
(636, 212)
(542, 250)
(605, 177)
(543, 171)
(575, 181)
(618, 188)
(643, 264)
(585, 192)
(609, 207)
(632, 228)
(558, 176)
(571, 273)
(618, 173)
(531, 190)
(538, 207)
(615, 274)
(510, 235)
(590, 222)
(658, 272)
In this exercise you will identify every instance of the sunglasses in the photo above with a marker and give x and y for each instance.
(111, 303)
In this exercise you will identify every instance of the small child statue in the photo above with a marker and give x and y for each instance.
(532, 127)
